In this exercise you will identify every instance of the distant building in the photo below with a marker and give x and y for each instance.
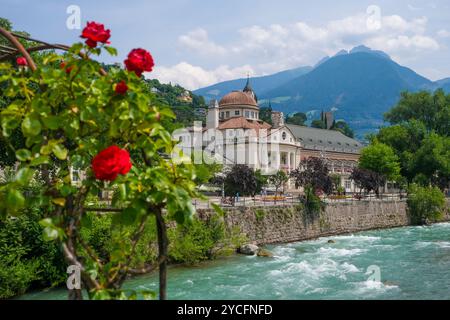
(185, 97)
(235, 119)
(328, 119)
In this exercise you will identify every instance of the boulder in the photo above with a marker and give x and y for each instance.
(264, 253)
(331, 241)
(249, 249)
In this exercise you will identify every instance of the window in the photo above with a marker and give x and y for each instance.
(284, 135)
(253, 114)
(236, 113)
(75, 175)
(348, 184)
(227, 114)
(247, 114)
(221, 115)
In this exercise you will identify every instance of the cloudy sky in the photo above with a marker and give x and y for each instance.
(200, 42)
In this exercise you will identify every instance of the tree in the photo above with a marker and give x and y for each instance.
(431, 163)
(425, 204)
(368, 180)
(315, 175)
(70, 115)
(265, 114)
(337, 183)
(432, 109)
(261, 181)
(419, 136)
(405, 139)
(344, 128)
(319, 124)
(278, 180)
(380, 158)
(298, 119)
(240, 179)
(207, 170)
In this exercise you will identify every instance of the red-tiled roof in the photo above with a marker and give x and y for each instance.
(237, 98)
(243, 123)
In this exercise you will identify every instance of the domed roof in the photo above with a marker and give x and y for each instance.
(238, 98)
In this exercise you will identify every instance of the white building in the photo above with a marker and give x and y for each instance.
(235, 134)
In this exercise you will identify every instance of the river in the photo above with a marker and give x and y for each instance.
(410, 262)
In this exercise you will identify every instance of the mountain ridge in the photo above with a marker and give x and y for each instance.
(360, 85)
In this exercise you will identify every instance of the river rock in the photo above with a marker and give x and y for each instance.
(249, 249)
(331, 241)
(264, 253)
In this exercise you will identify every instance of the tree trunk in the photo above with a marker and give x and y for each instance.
(163, 244)
(75, 294)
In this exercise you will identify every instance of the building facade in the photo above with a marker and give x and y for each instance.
(235, 134)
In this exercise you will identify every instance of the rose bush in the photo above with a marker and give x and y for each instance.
(111, 162)
(21, 61)
(139, 60)
(121, 87)
(95, 32)
(71, 116)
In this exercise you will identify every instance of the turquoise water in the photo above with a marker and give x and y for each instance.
(413, 263)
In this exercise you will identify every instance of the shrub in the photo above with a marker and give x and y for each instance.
(312, 203)
(26, 260)
(202, 240)
(425, 204)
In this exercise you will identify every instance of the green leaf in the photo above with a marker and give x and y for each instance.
(31, 126)
(127, 217)
(51, 122)
(122, 191)
(14, 200)
(23, 154)
(24, 175)
(59, 201)
(39, 160)
(101, 295)
(60, 151)
(217, 208)
(47, 222)
(148, 295)
(180, 217)
(50, 234)
(112, 51)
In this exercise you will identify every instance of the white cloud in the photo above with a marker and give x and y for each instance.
(399, 43)
(198, 40)
(276, 47)
(443, 33)
(193, 77)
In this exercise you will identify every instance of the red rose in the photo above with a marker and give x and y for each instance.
(121, 87)
(21, 61)
(63, 66)
(111, 162)
(95, 32)
(139, 60)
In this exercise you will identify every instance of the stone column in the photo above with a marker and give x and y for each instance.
(289, 162)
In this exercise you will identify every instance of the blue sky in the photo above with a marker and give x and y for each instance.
(200, 42)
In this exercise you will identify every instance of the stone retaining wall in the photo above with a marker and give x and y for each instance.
(279, 224)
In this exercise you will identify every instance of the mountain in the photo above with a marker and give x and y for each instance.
(361, 86)
(259, 84)
(444, 84)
